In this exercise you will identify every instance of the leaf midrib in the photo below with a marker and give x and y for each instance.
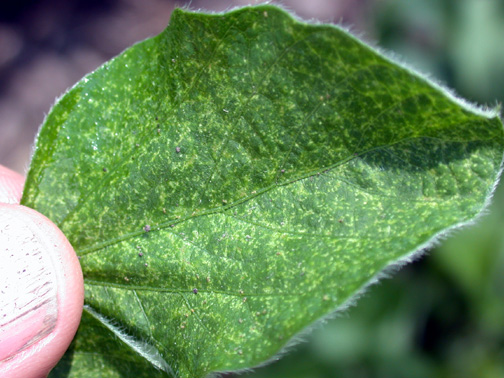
(93, 282)
(223, 209)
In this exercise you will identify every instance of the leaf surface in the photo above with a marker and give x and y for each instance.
(241, 175)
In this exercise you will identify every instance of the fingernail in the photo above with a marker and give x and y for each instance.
(28, 290)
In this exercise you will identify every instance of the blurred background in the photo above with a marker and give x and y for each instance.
(442, 316)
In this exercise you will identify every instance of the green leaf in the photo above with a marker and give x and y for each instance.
(240, 176)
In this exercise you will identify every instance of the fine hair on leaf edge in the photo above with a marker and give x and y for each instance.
(144, 349)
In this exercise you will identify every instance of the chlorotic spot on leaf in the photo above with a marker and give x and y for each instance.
(264, 169)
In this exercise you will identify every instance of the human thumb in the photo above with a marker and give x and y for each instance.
(41, 293)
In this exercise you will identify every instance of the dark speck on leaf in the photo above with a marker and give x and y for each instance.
(147, 228)
(104, 169)
(195, 291)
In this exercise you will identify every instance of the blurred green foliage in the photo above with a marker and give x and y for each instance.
(442, 316)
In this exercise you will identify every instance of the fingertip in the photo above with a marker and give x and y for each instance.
(11, 185)
(39, 259)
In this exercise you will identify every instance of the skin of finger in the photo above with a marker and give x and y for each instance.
(11, 186)
(37, 360)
